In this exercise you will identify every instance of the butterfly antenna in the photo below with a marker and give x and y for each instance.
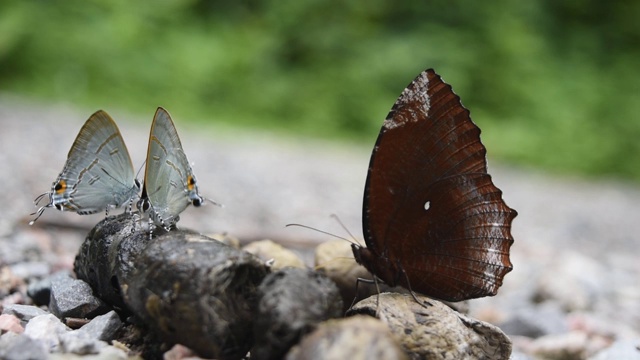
(320, 231)
(344, 227)
(39, 213)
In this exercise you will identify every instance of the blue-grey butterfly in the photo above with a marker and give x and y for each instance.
(169, 183)
(98, 173)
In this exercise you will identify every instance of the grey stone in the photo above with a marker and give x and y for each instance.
(23, 312)
(103, 327)
(47, 329)
(74, 298)
(536, 321)
(621, 349)
(21, 347)
(80, 343)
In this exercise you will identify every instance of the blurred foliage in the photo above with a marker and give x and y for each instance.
(551, 83)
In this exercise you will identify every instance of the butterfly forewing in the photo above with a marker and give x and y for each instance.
(431, 213)
(98, 171)
(167, 172)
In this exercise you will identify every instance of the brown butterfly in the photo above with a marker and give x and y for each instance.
(433, 220)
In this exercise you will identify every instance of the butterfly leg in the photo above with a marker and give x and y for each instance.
(424, 304)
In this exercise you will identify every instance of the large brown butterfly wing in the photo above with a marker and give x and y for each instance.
(433, 220)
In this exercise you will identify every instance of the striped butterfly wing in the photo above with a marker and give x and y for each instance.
(98, 172)
(169, 182)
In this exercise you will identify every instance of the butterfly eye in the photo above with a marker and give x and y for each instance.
(58, 206)
(60, 186)
(197, 202)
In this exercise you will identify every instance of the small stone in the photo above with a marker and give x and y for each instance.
(10, 323)
(47, 329)
(225, 238)
(621, 349)
(544, 319)
(80, 344)
(40, 291)
(103, 327)
(74, 298)
(292, 302)
(21, 347)
(268, 250)
(571, 345)
(357, 337)
(432, 330)
(23, 312)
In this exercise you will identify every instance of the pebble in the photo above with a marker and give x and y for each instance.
(21, 347)
(47, 329)
(23, 312)
(357, 337)
(73, 298)
(277, 255)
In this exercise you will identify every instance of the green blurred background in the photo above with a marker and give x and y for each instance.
(553, 84)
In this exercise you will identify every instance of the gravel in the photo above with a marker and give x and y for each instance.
(575, 239)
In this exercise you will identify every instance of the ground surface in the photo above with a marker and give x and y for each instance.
(575, 245)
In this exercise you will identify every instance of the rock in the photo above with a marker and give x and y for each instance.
(434, 330)
(21, 347)
(110, 249)
(571, 345)
(74, 298)
(535, 321)
(268, 250)
(40, 291)
(621, 349)
(31, 269)
(9, 281)
(81, 344)
(357, 337)
(47, 329)
(23, 312)
(574, 281)
(103, 327)
(226, 239)
(196, 291)
(10, 323)
(292, 302)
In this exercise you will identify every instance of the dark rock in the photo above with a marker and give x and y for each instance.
(21, 347)
(74, 298)
(432, 330)
(111, 247)
(40, 291)
(197, 292)
(292, 303)
(357, 337)
(23, 312)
